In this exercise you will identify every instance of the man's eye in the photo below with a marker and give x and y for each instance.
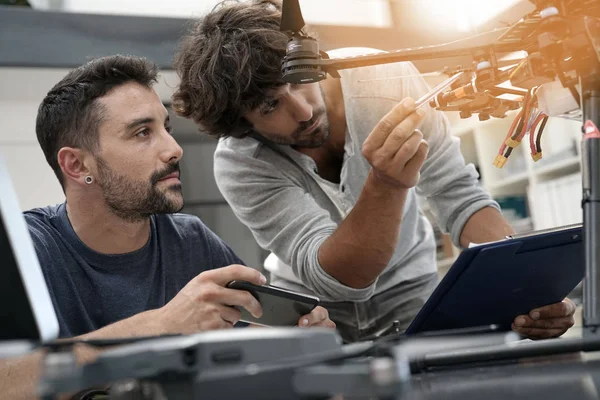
(169, 128)
(269, 106)
(143, 133)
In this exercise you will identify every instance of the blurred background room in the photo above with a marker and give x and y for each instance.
(41, 39)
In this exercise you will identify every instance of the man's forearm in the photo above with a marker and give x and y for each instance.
(19, 376)
(363, 244)
(486, 225)
(142, 324)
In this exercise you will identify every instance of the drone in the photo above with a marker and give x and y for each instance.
(560, 39)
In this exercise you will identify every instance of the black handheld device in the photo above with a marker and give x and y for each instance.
(281, 307)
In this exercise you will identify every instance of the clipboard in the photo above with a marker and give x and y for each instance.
(491, 284)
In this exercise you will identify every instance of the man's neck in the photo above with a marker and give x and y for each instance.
(336, 114)
(101, 230)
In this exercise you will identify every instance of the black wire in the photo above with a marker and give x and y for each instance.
(538, 141)
(517, 131)
(507, 151)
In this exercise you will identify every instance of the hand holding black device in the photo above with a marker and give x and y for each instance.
(281, 307)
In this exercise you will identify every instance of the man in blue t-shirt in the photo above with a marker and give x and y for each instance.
(117, 258)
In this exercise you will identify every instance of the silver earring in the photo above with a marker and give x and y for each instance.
(88, 179)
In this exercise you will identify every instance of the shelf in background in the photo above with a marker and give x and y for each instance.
(517, 179)
(571, 163)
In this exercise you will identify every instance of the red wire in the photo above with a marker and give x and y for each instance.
(510, 131)
(527, 108)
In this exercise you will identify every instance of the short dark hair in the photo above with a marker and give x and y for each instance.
(70, 116)
(227, 63)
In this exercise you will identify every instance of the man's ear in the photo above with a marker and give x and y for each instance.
(73, 162)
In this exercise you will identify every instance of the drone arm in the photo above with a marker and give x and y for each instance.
(393, 57)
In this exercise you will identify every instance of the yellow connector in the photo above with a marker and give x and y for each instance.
(537, 156)
(512, 143)
(499, 161)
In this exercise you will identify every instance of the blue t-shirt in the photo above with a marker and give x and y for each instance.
(91, 290)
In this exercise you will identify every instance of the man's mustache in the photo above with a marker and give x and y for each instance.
(157, 176)
(304, 125)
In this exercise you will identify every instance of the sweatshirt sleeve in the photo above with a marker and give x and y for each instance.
(283, 218)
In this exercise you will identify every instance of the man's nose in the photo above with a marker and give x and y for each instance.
(301, 109)
(173, 151)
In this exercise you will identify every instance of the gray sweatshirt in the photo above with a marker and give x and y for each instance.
(277, 192)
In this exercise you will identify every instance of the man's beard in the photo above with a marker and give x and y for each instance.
(137, 200)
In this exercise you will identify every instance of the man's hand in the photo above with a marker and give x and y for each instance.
(395, 148)
(206, 304)
(318, 317)
(546, 322)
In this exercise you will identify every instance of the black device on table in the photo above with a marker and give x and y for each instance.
(281, 307)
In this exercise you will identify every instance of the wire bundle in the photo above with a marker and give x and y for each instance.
(526, 122)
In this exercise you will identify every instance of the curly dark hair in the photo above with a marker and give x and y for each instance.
(227, 63)
(70, 116)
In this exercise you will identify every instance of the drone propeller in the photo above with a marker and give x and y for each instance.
(291, 17)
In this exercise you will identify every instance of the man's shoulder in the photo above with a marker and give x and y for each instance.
(45, 229)
(246, 146)
(43, 212)
(42, 216)
(236, 157)
(377, 73)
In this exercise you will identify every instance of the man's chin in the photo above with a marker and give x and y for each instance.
(176, 204)
(172, 200)
(177, 208)
(171, 208)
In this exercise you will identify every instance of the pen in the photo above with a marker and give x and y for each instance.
(437, 90)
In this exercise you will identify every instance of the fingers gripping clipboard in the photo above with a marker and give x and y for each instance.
(492, 283)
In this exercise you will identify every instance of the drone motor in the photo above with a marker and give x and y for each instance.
(295, 67)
